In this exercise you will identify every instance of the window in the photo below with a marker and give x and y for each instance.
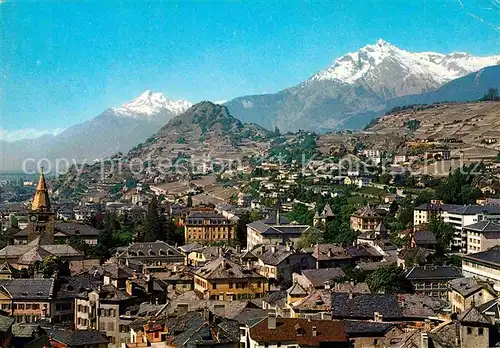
(469, 331)
(481, 331)
(214, 286)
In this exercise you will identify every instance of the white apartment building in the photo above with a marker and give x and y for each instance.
(467, 215)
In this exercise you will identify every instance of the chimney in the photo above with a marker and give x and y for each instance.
(427, 325)
(206, 314)
(314, 332)
(377, 317)
(351, 295)
(238, 249)
(288, 246)
(425, 340)
(271, 321)
(262, 249)
(273, 249)
(327, 285)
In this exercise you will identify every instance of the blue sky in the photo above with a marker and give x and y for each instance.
(65, 62)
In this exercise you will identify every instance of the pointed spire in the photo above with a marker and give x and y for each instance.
(41, 200)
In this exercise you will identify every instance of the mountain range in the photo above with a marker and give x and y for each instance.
(349, 93)
(116, 129)
(355, 88)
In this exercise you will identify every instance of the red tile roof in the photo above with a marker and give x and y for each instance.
(286, 331)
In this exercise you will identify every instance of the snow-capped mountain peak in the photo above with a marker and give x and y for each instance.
(437, 68)
(150, 104)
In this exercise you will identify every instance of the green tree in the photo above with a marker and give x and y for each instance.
(458, 187)
(310, 237)
(301, 214)
(153, 224)
(388, 280)
(190, 201)
(444, 234)
(492, 95)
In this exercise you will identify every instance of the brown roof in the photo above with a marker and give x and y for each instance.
(366, 212)
(329, 252)
(286, 331)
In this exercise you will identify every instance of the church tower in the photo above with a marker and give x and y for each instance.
(41, 218)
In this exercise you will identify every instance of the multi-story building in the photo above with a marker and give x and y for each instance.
(482, 235)
(274, 230)
(278, 262)
(208, 226)
(365, 219)
(293, 333)
(432, 280)
(27, 300)
(153, 256)
(464, 293)
(225, 280)
(423, 214)
(63, 231)
(467, 215)
(484, 265)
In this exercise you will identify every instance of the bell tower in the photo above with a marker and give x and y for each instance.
(41, 218)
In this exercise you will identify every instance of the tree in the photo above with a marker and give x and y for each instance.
(444, 234)
(190, 201)
(50, 266)
(492, 95)
(458, 187)
(388, 280)
(311, 236)
(153, 224)
(301, 214)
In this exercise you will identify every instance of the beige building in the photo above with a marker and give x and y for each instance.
(208, 226)
(463, 293)
(27, 300)
(225, 280)
(482, 236)
(365, 219)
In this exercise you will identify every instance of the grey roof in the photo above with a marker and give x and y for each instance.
(187, 248)
(476, 209)
(437, 207)
(269, 227)
(194, 328)
(330, 252)
(373, 266)
(363, 306)
(276, 254)
(318, 277)
(491, 256)
(468, 286)
(296, 290)
(29, 289)
(78, 337)
(358, 328)
(152, 250)
(424, 238)
(275, 296)
(222, 268)
(69, 229)
(249, 315)
(474, 316)
(32, 252)
(418, 254)
(433, 272)
(319, 300)
(484, 226)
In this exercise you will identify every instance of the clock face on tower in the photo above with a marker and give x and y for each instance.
(33, 218)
